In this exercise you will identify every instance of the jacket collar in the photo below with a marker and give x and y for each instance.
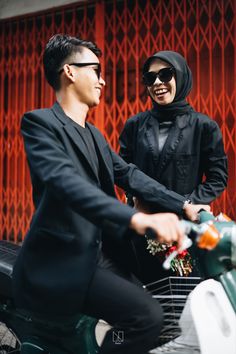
(60, 114)
(173, 139)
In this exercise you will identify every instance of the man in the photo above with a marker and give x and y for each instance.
(61, 270)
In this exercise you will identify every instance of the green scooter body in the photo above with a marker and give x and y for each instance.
(85, 340)
(219, 263)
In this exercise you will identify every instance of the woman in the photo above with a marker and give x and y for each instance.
(172, 143)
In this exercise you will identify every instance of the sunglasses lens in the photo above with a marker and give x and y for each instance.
(149, 78)
(98, 71)
(164, 75)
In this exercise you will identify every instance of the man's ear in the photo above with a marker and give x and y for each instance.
(69, 72)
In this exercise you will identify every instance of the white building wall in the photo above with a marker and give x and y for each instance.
(12, 8)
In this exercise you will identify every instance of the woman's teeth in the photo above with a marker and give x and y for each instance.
(160, 91)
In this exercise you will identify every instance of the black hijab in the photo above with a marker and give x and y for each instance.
(183, 78)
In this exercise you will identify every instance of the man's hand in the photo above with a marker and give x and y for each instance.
(166, 226)
(191, 210)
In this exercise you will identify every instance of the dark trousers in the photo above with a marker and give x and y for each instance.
(116, 297)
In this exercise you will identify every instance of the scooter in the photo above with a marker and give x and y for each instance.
(208, 320)
(11, 319)
(9, 341)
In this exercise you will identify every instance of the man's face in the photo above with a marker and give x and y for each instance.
(87, 84)
(161, 92)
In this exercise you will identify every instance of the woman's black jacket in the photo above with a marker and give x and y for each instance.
(192, 163)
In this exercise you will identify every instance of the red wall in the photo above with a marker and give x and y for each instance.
(128, 31)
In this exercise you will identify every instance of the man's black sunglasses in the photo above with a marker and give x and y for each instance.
(80, 65)
(164, 75)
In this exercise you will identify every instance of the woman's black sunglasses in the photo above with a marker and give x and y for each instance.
(164, 75)
(80, 65)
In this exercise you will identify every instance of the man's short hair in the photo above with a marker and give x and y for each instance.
(58, 49)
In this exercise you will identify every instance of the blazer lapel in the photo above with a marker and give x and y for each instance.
(173, 139)
(99, 142)
(74, 135)
(152, 133)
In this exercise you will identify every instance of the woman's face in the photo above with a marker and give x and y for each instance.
(162, 93)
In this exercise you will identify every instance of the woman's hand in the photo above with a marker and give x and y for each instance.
(191, 211)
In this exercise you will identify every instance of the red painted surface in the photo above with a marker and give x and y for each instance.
(128, 31)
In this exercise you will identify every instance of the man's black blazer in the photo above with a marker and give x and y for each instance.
(72, 207)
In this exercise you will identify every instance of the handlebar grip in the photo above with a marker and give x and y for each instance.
(205, 216)
(186, 244)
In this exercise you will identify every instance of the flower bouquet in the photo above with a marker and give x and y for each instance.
(181, 264)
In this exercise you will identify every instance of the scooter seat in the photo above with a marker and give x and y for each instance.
(8, 254)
